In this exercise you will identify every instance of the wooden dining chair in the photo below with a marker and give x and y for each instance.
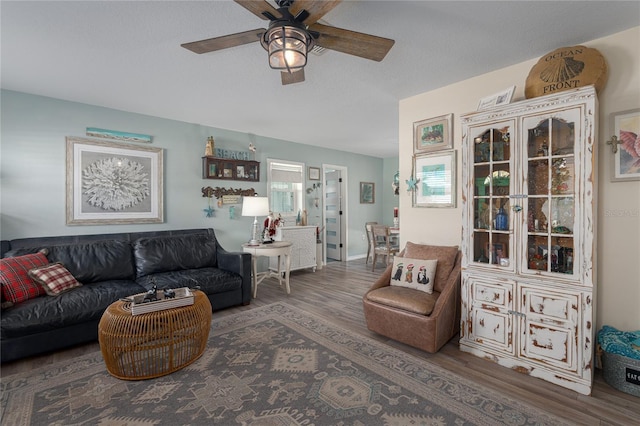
(383, 245)
(370, 240)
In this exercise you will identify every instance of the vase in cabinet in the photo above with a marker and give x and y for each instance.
(528, 239)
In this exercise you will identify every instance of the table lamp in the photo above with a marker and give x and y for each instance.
(255, 206)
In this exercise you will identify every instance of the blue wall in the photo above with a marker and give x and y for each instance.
(32, 199)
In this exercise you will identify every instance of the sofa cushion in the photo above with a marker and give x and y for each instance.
(417, 274)
(209, 280)
(108, 259)
(83, 304)
(174, 253)
(445, 255)
(17, 285)
(407, 299)
(54, 278)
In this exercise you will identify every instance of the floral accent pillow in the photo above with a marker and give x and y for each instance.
(417, 274)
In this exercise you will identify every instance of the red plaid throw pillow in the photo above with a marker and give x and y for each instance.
(55, 278)
(17, 286)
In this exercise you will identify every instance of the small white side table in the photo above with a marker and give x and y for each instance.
(277, 248)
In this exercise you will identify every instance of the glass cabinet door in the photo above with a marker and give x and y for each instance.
(550, 185)
(493, 184)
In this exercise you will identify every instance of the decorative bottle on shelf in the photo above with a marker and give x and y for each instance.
(531, 222)
(502, 220)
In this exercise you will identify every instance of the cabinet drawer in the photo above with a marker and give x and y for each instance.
(491, 294)
(550, 305)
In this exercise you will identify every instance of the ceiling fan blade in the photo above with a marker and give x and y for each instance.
(257, 7)
(352, 42)
(316, 8)
(290, 78)
(219, 43)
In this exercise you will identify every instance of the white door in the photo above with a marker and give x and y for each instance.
(333, 214)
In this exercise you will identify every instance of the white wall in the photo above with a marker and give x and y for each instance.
(618, 227)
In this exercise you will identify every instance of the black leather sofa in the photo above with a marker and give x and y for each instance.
(113, 266)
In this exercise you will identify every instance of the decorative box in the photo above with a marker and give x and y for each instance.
(182, 297)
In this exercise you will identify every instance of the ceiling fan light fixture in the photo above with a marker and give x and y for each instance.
(287, 46)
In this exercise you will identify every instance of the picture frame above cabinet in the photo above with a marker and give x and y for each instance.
(229, 169)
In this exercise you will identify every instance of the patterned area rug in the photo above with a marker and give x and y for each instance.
(274, 365)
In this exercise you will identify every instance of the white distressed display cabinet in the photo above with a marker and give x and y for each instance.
(528, 237)
(303, 250)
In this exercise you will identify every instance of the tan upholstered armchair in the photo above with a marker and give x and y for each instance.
(425, 321)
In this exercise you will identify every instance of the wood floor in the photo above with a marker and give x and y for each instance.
(335, 293)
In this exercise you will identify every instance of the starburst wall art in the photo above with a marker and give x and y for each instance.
(113, 183)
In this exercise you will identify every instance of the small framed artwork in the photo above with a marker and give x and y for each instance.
(113, 183)
(433, 134)
(314, 173)
(117, 135)
(367, 192)
(436, 180)
(227, 171)
(625, 144)
(501, 98)
(240, 172)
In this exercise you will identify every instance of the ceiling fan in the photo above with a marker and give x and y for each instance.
(293, 31)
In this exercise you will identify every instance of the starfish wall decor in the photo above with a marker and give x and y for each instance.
(412, 184)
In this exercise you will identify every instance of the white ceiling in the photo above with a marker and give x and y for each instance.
(127, 55)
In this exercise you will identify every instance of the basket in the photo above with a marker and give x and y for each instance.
(620, 359)
(621, 372)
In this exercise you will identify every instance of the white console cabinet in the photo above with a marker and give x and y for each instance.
(303, 250)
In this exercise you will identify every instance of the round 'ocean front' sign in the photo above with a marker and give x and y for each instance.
(566, 68)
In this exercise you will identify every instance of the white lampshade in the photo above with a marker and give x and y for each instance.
(255, 206)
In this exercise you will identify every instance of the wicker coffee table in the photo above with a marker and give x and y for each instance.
(136, 347)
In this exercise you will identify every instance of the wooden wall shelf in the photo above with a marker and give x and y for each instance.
(228, 169)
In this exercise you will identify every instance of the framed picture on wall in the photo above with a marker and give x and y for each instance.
(367, 192)
(113, 183)
(433, 134)
(625, 144)
(435, 177)
(314, 173)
